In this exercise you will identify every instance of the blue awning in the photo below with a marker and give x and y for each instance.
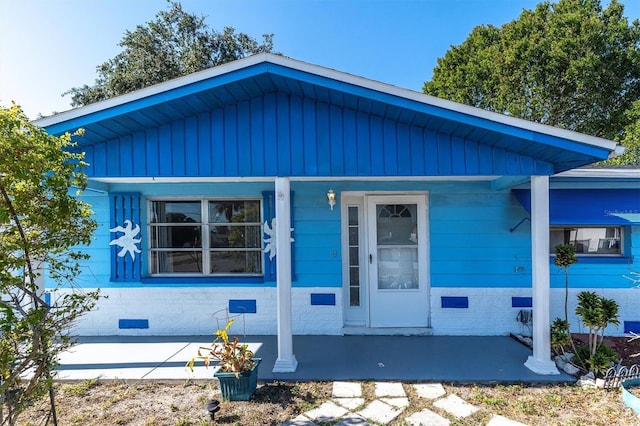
(588, 206)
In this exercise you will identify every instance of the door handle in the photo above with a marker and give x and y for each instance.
(370, 259)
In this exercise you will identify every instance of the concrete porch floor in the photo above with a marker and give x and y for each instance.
(463, 359)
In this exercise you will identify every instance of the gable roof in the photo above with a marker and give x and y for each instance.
(265, 74)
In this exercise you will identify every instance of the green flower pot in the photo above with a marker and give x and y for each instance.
(239, 388)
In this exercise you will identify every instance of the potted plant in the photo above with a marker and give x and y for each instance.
(236, 368)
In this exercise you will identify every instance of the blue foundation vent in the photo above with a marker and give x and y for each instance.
(630, 326)
(455, 302)
(326, 299)
(133, 323)
(242, 306)
(521, 302)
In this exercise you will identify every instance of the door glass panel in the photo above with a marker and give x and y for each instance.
(397, 246)
(354, 263)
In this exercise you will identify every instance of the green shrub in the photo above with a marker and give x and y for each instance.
(560, 337)
(599, 362)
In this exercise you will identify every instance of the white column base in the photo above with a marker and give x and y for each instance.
(541, 367)
(285, 365)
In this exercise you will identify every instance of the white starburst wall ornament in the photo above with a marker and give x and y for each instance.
(634, 277)
(128, 241)
(270, 241)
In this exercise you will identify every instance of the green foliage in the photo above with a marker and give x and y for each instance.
(598, 362)
(81, 388)
(232, 356)
(570, 64)
(630, 139)
(565, 257)
(176, 43)
(560, 336)
(42, 225)
(596, 313)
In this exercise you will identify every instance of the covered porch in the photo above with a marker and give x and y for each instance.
(461, 359)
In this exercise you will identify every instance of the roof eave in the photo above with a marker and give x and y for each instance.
(56, 123)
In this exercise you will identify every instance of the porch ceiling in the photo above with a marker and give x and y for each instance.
(261, 75)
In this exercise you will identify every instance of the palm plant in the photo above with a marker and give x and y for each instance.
(565, 257)
(597, 313)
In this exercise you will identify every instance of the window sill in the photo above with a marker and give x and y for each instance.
(228, 280)
(599, 259)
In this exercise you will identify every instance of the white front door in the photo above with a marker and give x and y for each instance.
(398, 261)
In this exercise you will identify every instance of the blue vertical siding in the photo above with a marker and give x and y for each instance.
(231, 124)
(458, 158)
(152, 149)
(390, 143)
(139, 154)
(165, 151)
(285, 135)
(364, 149)
(337, 140)
(376, 144)
(245, 158)
(444, 154)
(191, 143)
(404, 149)
(270, 135)
(350, 142)
(204, 145)
(310, 149)
(179, 149)
(217, 144)
(257, 155)
(297, 136)
(418, 166)
(323, 144)
(283, 130)
(126, 156)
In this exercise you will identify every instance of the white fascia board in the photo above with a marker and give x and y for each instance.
(621, 173)
(154, 89)
(446, 104)
(337, 76)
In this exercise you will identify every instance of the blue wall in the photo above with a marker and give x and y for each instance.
(471, 242)
(285, 135)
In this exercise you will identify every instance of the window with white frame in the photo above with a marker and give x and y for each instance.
(588, 240)
(205, 237)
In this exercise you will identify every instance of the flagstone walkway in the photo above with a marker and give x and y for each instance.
(347, 407)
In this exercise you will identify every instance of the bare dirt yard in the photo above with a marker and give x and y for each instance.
(172, 403)
(95, 402)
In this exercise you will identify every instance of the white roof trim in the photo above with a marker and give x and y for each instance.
(335, 75)
(621, 173)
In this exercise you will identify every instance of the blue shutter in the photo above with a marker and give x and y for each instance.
(269, 212)
(125, 207)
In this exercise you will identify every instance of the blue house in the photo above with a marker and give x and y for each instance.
(310, 201)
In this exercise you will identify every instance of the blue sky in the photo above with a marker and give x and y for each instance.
(48, 47)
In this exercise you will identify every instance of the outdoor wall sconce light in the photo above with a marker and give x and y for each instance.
(331, 196)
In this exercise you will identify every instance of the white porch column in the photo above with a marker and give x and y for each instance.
(286, 361)
(540, 362)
